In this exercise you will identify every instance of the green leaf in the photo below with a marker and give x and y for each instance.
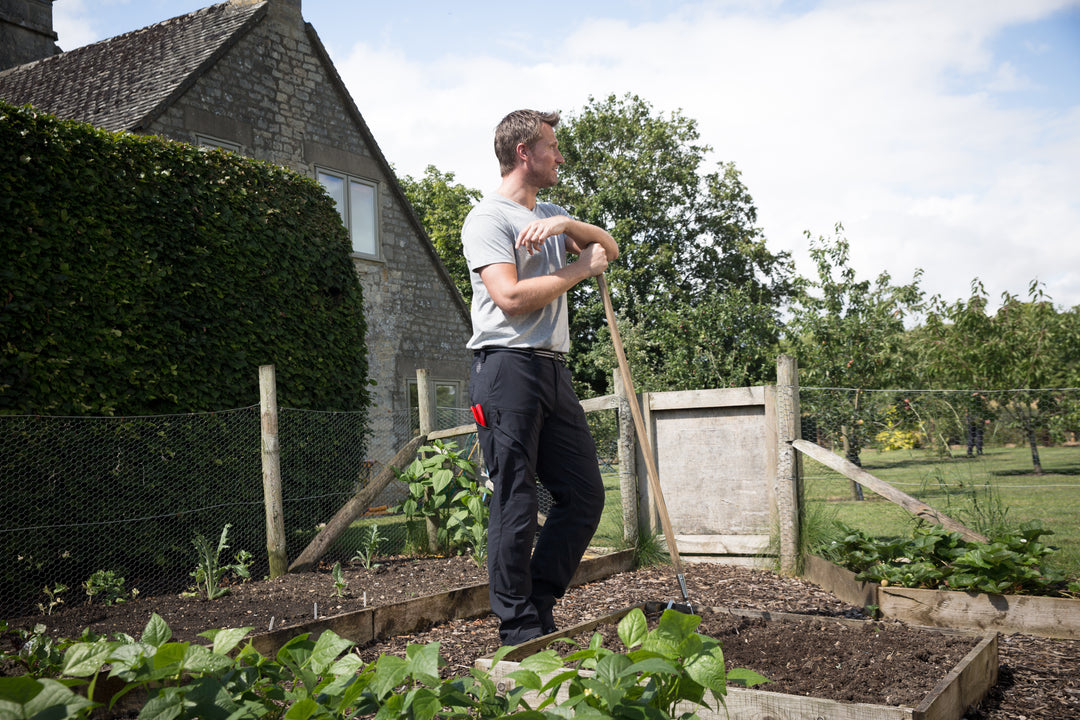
(390, 671)
(542, 662)
(327, 649)
(225, 641)
(422, 663)
(156, 631)
(85, 659)
(25, 697)
(633, 628)
(745, 678)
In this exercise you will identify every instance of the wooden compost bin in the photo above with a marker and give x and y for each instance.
(1029, 614)
(959, 689)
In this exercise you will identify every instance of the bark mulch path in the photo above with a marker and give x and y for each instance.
(1038, 677)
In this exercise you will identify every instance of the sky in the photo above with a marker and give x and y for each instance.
(942, 135)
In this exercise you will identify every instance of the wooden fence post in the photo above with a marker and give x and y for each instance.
(271, 467)
(628, 488)
(425, 403)
(788, 462)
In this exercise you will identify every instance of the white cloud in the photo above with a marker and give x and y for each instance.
(884, 116)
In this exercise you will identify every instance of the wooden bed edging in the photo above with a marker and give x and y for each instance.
(380, 622)
(1028, 614)
(963, 686)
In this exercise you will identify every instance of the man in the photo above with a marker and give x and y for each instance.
(530, 423)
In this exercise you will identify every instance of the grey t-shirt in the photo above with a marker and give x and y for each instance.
(488, 237)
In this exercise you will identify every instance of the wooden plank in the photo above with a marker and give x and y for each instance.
(452, 432)
(604, 402)
(916, 507)
(602, 566)
(1033, 615)
(965, 685)
(354, 507)
(356, 626)
(722, 544)
(840, 582)
(700, 399)
(408, 616)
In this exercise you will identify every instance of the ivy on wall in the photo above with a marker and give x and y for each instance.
(145, 276)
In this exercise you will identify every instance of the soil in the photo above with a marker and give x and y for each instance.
(887, 663)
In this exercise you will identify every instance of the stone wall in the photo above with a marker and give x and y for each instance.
(276, 95)
(26, 32)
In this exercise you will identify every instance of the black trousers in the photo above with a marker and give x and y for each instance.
(535, 428)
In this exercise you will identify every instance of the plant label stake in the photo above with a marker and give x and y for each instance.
(643, 440)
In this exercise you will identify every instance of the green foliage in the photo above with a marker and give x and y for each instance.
(341, 585)
(323, 678)
(1011, 563)
(846, 334)
(441, 204)
(369, 545)
(209, 571)
(144, 276)
(1018, 348)
(105, 585)
(54, 598)
(443, 488)
(693, 268)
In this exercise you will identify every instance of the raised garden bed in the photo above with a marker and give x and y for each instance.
(846, 669)
(1029, 614)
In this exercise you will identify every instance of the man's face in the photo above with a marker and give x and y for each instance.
(544, 159)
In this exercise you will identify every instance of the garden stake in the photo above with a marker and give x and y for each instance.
(646, 451)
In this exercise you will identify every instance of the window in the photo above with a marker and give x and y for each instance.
(355, 200)
(447, 410)
(212, 142)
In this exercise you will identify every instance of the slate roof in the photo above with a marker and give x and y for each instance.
(125, 82)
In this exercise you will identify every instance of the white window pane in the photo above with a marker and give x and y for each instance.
(362, 213)
(446, 396)
(335, 188)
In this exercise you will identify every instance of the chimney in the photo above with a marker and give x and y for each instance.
(26, 32)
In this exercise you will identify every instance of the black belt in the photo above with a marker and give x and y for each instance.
(529, 352)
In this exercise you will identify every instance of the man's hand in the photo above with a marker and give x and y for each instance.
(595, 259)
(533, 236)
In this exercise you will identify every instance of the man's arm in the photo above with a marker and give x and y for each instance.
(579, 235)
(515, 297)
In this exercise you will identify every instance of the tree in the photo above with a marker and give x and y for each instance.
(847, 334)
(1011, 355)
(441, 204)
(689, 249)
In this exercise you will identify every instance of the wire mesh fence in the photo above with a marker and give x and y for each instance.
(128, 496)
(990, 459)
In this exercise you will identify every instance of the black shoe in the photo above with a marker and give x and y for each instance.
(549, 629)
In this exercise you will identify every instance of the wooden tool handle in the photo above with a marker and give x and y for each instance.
(639, 428)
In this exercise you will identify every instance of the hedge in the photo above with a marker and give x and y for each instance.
(145, 276)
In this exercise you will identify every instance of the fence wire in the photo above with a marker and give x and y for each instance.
(129, 495)
(991, 459)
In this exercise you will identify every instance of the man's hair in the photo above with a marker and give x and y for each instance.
(520, 126)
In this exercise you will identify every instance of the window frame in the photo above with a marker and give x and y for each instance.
(346, 210)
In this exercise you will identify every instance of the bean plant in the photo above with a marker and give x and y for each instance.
(444, 489)
(325, 678)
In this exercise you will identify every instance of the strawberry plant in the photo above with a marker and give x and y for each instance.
(1012, 562)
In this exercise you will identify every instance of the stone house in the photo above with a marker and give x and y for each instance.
(253, 77)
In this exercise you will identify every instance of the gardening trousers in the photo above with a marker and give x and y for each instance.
(533, 427)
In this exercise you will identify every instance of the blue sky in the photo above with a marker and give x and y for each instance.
(942, 135)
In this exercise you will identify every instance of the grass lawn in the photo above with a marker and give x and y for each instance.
(995, 489)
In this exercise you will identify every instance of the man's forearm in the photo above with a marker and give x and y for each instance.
(583, 234)
(529, 295)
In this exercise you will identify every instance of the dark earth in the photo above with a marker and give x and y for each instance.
(884, 663)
